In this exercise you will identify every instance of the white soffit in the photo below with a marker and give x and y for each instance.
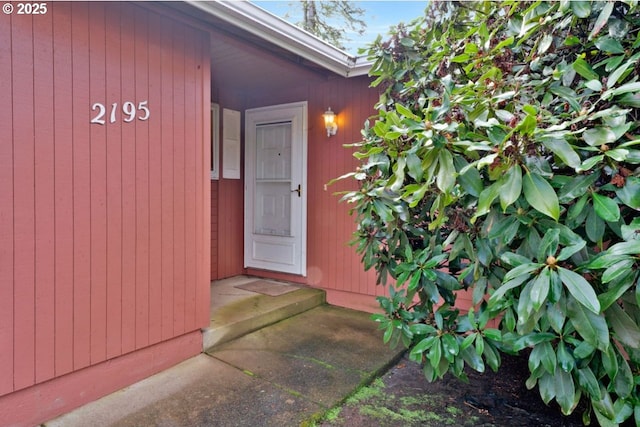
(273, 29)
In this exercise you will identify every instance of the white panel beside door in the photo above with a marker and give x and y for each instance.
(231, 147)
(275, 220)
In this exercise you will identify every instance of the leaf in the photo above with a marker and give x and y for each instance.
(598, 136)
(583, 68)
(414, 164)
(630, 99)
(590, 162)
(594, 85)
(625, 248)
(464, 57)
(609, 45)
(602, 19)
(540, 195)
(617, 154)
(545, 43)
(583, 350)
(580, 289)
(564, 151)
(473, 360)
(619, 270)
(609, 361)
(540, 289)
(594, 225)
(527, 125)
(624, 328)
(556, 313)
(591, 327)
(422, 329)
(576, 187)
(511, 186)
(568, 95)
(469, 178)
(514, 259)
(383, 211)
(588, 381)
(423, 345)
(504, 115)
(604, 408)
(565, 391)
(401, 109)
(606, 208)
(618, 72)
(492, 357)
(582, 9)
(565, 360)
(407, 42)
(485, 200)
(521, 270)
(506, 42)
(397, 181)
(543, 354)
(446, 178)
(625, 88)
(548, 245)
(624, 379)
(547, 387)
(625, 278)
(497, 296)
(630, 193)
(631, 231)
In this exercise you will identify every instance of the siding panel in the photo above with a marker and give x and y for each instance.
(63, 137)
(23, 202)
(155, 188)
(140, 94)
(98, 184)
(203, 187)
(44, 198)
(214, 275)
(81, 187)
(129, 231)
(190, 184)
(114, 187)
(166, 180)
(178, 179)
(6, 211)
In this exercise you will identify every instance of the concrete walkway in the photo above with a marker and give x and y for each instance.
(281, 375)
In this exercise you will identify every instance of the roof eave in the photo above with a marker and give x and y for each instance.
(273, 29)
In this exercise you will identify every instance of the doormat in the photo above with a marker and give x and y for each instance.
(266, 287)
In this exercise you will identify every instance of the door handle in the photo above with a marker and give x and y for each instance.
(298, 190)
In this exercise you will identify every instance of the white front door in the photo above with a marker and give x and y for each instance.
(275, 221)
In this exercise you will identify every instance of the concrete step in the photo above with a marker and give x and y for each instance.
(255, 311)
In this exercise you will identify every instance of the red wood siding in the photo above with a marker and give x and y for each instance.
(105, 228)
(214, 230)
(7, 290)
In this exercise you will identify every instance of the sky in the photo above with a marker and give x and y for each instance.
(379, 15)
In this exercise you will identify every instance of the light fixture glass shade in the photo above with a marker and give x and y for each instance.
(330, 122)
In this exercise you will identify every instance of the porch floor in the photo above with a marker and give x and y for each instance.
(280, 375)
(236, 311)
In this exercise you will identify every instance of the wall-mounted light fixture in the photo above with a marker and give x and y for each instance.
(330, 122)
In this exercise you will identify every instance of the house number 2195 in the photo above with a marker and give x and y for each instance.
(129, 112)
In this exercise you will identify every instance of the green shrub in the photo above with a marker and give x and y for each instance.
(503, 161)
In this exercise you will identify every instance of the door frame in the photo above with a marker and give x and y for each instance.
(296, 112)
